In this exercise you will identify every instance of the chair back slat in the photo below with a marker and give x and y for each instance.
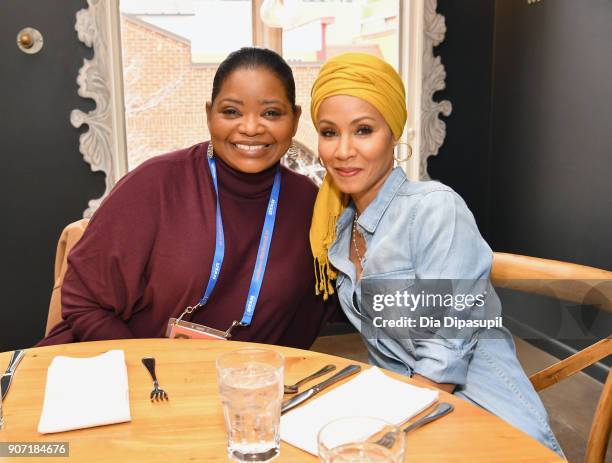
(562, 280)
(571, 365)
(602, 425)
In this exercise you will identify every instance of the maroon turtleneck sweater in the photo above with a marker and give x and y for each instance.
(147, 254)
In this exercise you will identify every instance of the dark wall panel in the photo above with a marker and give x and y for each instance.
(551, 152)
(551, 148)
(44, 182)
(466, 54)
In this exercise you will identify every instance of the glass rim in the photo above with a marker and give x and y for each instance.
(396, 428)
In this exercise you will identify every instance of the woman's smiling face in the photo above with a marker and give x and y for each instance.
(355, 145)
(251, 120)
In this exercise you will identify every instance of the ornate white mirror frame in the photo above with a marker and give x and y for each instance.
(103, 146)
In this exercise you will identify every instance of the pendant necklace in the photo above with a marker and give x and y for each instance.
(359, 256)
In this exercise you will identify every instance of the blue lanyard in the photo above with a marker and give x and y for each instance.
(262, 251)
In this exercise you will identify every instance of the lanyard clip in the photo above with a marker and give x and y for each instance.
(235, 323)
(187, 311)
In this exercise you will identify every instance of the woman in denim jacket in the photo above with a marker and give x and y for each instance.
(372, 227)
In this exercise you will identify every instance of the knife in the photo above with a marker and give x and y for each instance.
(5, 380)
(308, 393)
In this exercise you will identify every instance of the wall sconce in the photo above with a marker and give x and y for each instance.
(280, 13)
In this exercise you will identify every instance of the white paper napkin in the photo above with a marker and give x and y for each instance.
(85, 392)
(371, 393)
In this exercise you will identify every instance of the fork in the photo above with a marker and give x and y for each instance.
(157, 393)
(442, 409)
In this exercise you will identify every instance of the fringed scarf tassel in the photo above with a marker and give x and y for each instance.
(328, 207)
(324, 274)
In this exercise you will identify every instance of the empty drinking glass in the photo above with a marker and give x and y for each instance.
(361, 439)
(251, 388)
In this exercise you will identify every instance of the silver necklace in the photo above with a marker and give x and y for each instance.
(359, 256)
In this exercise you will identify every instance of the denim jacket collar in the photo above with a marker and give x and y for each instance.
(370, 218)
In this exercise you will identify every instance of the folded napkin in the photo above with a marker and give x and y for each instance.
(371, 393)
(85, 392)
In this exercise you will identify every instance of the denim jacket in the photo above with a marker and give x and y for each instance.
(424, 230)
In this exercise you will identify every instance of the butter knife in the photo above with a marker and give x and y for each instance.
(7, 377)
(308, 393)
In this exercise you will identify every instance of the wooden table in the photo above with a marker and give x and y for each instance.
(190, 428)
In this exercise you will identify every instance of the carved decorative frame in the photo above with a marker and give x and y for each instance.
(103, 146)
(423, 73)
(433, 129)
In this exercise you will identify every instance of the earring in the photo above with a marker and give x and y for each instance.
(293, 151)
(210, 151)
(397, 158)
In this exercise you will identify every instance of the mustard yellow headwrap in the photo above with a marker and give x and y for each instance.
(373, 80)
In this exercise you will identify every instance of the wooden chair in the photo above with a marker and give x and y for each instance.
(574, 283)
(69, 237)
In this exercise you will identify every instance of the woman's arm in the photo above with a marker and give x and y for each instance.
(447, 248)
(88, 304)
(106, 269)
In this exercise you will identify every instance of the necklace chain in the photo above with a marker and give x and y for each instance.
(359, 256)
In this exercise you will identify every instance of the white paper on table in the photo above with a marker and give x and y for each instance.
(85, 392)
(371, 393)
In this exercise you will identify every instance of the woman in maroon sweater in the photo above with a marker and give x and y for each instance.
(148, 251)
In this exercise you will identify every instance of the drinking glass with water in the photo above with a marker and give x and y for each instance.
(251, 388)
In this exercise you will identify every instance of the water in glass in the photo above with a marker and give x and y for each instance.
(251, 394)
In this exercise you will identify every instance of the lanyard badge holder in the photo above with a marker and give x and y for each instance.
(182, 329)
(179, 328)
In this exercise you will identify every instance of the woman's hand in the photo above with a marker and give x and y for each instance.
(428, 382)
